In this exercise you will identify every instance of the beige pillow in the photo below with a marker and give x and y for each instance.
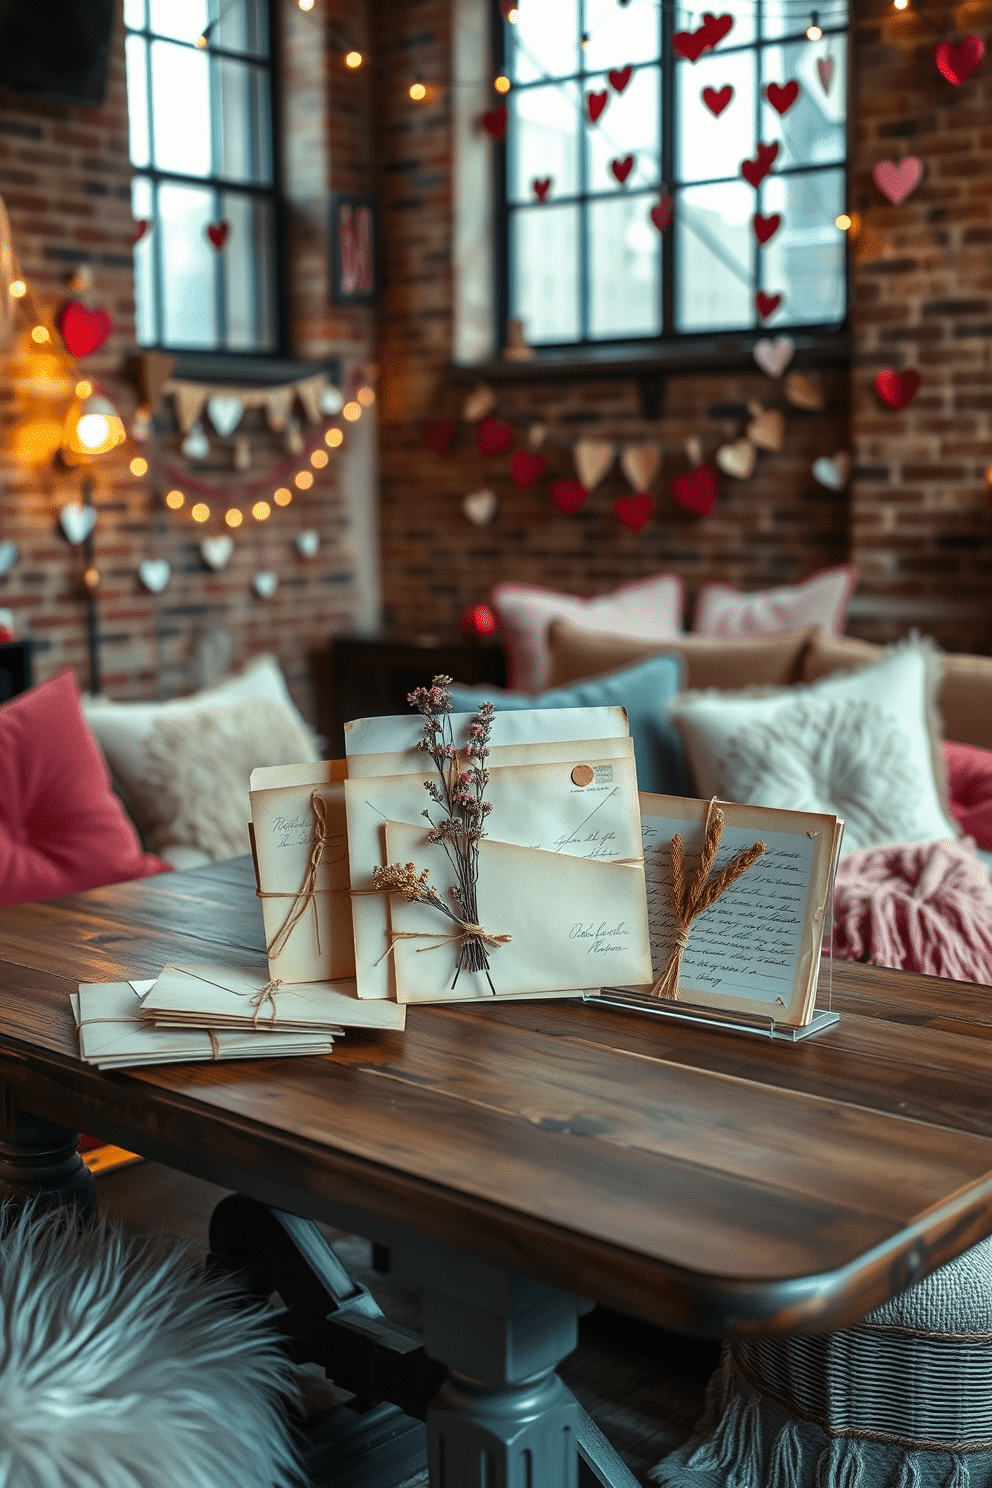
(964, 699)
(760, 661)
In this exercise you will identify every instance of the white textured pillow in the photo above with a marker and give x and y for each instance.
(857, 744)
(822, 599)
(648, 610)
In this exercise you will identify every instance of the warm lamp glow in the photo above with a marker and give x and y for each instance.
(353, 60)
(502, 84)
(18, 289)
(319, 459)
(39, 335)
(366, 396)
(97, 428)
(513, 16)
(261, 511)
(200, 512)
(900, 4)
(333, 438)
(36, 441)
(843, 222)
(233, 518)
(305, 4)
(814, 30)
(303, 480)
(418, 92)
(83, 389)
(202, 41)
(352, 412)
(174, 500)
(283, 496)
(139, 466)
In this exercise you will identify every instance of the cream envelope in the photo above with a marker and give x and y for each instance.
(414, 762)
(306, 911)
(226, 997)
(401, 733)
(537, 806)
(573, 922)
(112, 1034)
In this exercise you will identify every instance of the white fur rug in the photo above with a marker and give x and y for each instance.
(122, 1367)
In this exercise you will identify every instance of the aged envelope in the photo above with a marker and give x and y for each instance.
(581, 807)
(544, 752)
(306, 907)
(227, 997)
(574, 922)
(400, 733)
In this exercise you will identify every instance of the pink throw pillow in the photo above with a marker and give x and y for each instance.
(648, 610)
(822, 599)
(969, 789)
(62, 829)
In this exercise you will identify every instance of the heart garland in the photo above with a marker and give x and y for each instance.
(479, 402)
(196, 445)
(593, 458)
(825, 72)
(661, 213)
(690, 44)
(833, 471)
(716, 27)
(737, 459)
(218, 233)
(307, 543)
(767, 428)
(595, 104)
(9, 554)
(77, 522)
(226, 413)
(754, 171)
(154, 573)
(527, 469)
(782, 97)
(140, 227)
(717, 99)
(619, 77)
(766, 304)
(898, 389)
(493, 437)
(216, 551)
(265, 583)
(774, 356)
(622, 168)
(696, 492)
(898, 180)
(495, 122)
(957, 63)
(639, 463)
(541, 188)
(439, 435)
(83, 330)
(569, 496)
(480, 507)
(634, 512)
(766, 227)
(805, 390)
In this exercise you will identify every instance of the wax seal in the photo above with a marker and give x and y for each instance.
(582, 775)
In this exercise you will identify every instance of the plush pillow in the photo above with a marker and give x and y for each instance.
(650, 609)
(964, 699)
(182, 767)
(61, 827)
(765, 661)
(822, 599)
(969, 789)
(858, 745)
(643, 690)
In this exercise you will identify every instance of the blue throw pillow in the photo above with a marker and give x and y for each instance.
(643, 690)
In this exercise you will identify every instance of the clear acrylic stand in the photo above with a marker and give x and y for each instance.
(705, 1017)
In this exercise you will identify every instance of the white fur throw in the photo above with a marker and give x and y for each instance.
(123, 1367)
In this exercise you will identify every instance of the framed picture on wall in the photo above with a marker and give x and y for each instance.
(353, 250)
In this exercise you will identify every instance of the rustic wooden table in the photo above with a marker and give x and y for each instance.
(517, 1158)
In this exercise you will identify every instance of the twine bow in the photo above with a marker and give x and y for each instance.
(264, 995)
(689, 899)
(457, 938)
(305, 895)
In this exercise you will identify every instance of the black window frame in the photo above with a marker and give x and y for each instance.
(667, 63)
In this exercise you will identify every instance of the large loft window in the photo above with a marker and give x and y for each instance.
(588, 262)
(199, 80)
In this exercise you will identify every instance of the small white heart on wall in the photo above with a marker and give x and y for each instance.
(196, 445)
(154, 573)
(774, 356)
(216, 551)
(265, 584)
(331, 401)
(9, 554)
(77, 522)
(480, 507)
(226, 413)
(307, 543)
(833, 472)
(737, 459)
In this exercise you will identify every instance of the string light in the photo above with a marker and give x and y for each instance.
(333, 438)
(814, 30)
(502, 84)
(18, 289)
(283, 496)
(305, 4)
(303, 480)
(202, 41)
(366, 396)
(261, 511)
(40, 335)
(200, 512)
(844, 222)
(83, 388)
(352, 412)
(174, 500)
(585, 40)
(91, 580)
(418, 92)
(513, 16)
(353, 60)
(233, 517)
(139, 466)
(319, 459)
(900, 4)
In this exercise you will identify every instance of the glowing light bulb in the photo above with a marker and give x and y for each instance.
(200, 512)
(353, 60)
(283, 496)
(174, 500)
(139, 466)
(900, 4)
(98, 428)
(261, 511)
(303, 480)
(333, 438)
(585, 40)
(513, 16)
(18, 289)
(233, 517)
(814, 30)
(352, 412)
(502, 84)
(418, 92)
(202, 41)
(40, 335)
(83, 389)
(366, 396)
(319, 459)
(844, 222)
(305, 4)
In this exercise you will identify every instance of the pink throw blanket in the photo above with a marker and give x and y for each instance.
(920, 906)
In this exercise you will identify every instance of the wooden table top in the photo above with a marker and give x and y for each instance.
(697, 1178)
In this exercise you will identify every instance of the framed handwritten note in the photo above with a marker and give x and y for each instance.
(757, 947)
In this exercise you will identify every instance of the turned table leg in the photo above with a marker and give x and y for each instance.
(38, 1160)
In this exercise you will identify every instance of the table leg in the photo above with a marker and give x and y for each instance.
(38, 1160)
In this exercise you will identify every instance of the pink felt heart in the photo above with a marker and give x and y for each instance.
(697, 491)
(622, 168)
(897, 180)
(84, 330)
(716, 28)
(634, 511)
(690, 44)
(767, 304)
(493, 437)
(619, 77)
(541, 188)
(595, 104)
(782, 98)
(957, 63)
(527, 469)
(218, 233)
(825, 72)
(661, 214)
(716, 99)
(494, 123)
(897, 389)
(757, 169)
(766, 227)
(568, 496)
(138, 230)
(439, 435)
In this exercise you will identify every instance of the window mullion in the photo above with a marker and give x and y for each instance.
(583, 183)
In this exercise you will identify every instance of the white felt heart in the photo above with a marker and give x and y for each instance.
(480, 506)
(226, 412)
(767, 429)
(196, 445)
(216, 551)
(478, 404)
(639, 462)
(833, 472)
(9, 554)
(737, 459)
(331, 401)
(774, 356)
(77, 522)
(307, 543)
(154, 573)
(265, 584)
(593, 458)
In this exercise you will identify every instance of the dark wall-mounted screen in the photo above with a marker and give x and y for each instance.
(57, 48)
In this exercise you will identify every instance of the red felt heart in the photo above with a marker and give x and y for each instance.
(494, 123)
(493, 437)
(634, 511)
(691, 44)
(767, 304)
(541, 188)
(766, 227)
(897, 389)
(782, 98)
(84, 330)
(696, 492)
(661, 215)
(897, 181)
(568, 496)
(439, 435)
(716, 99)
(716, 27)
(595, 104)
(619, 77)
(757, 169)
(139, 229)
(622, 168)
(218, 233)
(527, 469)
(957, 63)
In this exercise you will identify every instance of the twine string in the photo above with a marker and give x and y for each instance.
(305, 895)
(264, 995)
(214, 1041)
